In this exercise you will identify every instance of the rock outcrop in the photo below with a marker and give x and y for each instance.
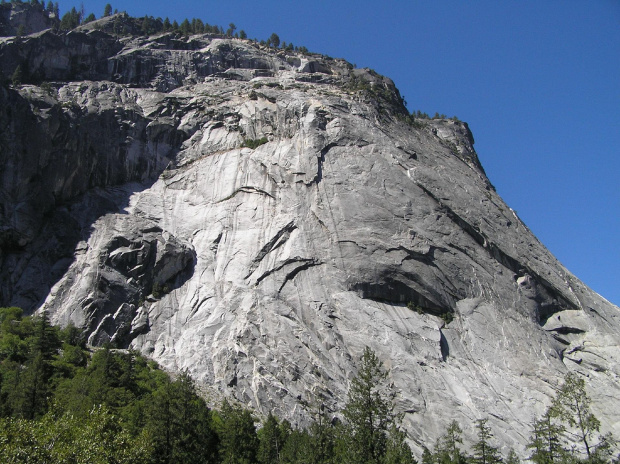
(24, 18)
(258, 217)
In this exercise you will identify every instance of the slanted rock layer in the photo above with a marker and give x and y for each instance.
(258, 217)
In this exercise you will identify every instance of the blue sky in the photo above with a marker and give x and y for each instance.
(537, 81)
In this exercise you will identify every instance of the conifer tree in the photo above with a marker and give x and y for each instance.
(398, 451)
(322, 437)
(572, 406)
(274, 40)
(484, 453)
(545, 440)
(272, 438)
(368, 413)
(18, 75)
(238, 443)
(447, 450)
(512, 457)
(185, 27)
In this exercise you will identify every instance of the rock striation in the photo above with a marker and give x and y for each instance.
(257, 217)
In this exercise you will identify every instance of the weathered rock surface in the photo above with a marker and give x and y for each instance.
(131, 206)
(24, 18)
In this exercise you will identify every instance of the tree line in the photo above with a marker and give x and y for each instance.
(62, 402)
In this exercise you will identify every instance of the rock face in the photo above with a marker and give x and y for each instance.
(259, 217)
(24, 18)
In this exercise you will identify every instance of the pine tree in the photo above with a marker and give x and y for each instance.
(70, 20)
(18, 75)
(194, 440)
(368, 412)
(572, 406)
(272, 438)
(185, 27)
(484, 453)
(238, 443)
(398, 451)
(447, 450)
(545, 440)
(427, 457)
(274, 40)
(299, 448)
(512, 457)
(322, 437)
(107, 10)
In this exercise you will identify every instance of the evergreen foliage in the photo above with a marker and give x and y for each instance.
(254, 143)
(238, 440)
(19, 75)
(447, 448)
(572, 406)
(368, 413)
(273, 40)
(70, 20)
(484, 453)
(569, 416)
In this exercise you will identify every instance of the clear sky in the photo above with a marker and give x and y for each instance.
(537, 81)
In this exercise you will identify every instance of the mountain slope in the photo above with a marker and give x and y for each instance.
(259, 216)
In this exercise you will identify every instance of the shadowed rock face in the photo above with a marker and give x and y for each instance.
(24, 18)
(132, 206)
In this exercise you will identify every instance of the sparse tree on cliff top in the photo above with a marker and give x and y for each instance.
(274, 40)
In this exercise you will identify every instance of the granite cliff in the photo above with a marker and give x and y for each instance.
(259, 216)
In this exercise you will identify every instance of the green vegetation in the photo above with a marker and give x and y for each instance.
(70, 20)
(568, 418)
(273, 40)
(381, 93)
(418, 118)
(158, 291)
(64, 403)
(370, 432)
(254, 143)
(446, 316)
(415, 307)
(61, 402)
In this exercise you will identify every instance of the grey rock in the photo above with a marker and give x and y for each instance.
(24, 18)
(266, 271)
